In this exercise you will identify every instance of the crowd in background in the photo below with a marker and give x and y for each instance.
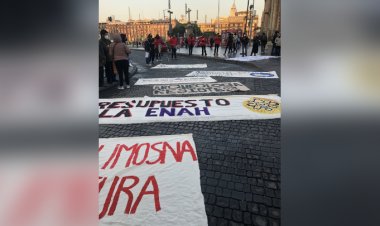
(114, 55)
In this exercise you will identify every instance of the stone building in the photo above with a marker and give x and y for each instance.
(137, 30)
(271, 18)
(236, 20)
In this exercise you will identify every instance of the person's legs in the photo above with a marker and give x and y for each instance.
(101, 76)
(273, 50)
(126, 71)
(120, 71)
(172, 52)
(175, 52)
(147, 59)
(109, 72)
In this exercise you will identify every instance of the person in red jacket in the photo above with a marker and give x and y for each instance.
(202, 43)
(158, 47)
(191, 43)
(173, 45)
(217, 40)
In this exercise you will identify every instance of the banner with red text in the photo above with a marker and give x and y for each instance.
(150, 181)
(178, 109)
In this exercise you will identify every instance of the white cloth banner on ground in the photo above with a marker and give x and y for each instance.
(179, 66)
(155, 81)
(180, 89)
(234, 74)
(150, 181)
(251, 58)
(179, 109)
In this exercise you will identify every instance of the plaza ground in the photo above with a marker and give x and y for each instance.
(239, 160)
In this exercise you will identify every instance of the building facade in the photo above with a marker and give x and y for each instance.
(271, 18)
(137, 30)
(235, 21)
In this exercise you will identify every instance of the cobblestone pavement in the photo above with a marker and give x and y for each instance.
(239, 160)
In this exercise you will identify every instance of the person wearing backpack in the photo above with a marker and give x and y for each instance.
(263, 42)
(120, 54)
(202, 43)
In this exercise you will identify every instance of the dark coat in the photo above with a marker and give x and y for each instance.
(102, 54)
(105, 44)
(255, 46)
(244, 40)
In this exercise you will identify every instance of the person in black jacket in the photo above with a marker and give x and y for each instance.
(263, 42)
(230, 42)
(255, 45)
(244, 41)
(102, 62)
(105, 43)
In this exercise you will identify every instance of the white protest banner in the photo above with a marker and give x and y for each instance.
(179, 109)
(152, 81)
(251, 58)
(150, 181)
(179, 66)
(234, 74)
(179, 89)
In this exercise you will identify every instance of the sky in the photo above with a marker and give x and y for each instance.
(153, 9)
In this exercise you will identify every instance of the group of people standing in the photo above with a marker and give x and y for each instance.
(114, 55)
(154, 48)
(234, 42)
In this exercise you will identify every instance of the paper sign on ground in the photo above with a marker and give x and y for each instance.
(179, 66)
(178, 109)
(180, 89)
(150, 181)
(153, 81)
(234, 74)
(251, 58)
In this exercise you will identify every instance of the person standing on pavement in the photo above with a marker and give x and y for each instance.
(218, 40)
(152, 52)
(230, 42)
(202, 43)
(278, 45)
(191, 43)
(158, 47)
(238, 43)
(106, 42)
(255, 45)
(244, 42)
(120, 52)
(212, 41)
(263, 42)
(235, 42)
(173, 45)
(102, 62)
(274, 43)
(147, 47)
